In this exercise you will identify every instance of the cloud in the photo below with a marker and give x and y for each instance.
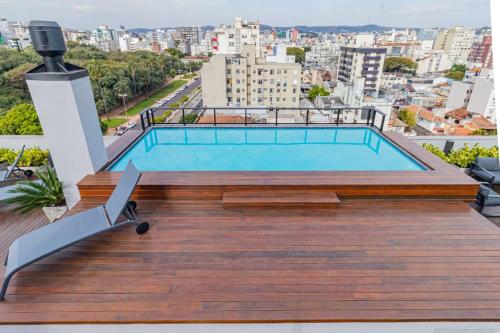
(80, 8)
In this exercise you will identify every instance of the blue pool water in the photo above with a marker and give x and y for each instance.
(266, 149)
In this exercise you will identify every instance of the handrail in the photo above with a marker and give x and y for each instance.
(336, 116)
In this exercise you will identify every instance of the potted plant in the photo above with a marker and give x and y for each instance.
(46, 193)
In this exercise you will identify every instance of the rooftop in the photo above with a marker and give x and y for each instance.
(369, 260)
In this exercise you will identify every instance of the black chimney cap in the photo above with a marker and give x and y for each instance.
(47, 38)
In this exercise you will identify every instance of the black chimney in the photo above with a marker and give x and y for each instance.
(48, 41)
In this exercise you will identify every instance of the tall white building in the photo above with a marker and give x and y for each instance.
(482, 99)
(456, 42)
(231, 39)
(247, 80)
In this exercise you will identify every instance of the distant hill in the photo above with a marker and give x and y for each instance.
(332, 29)
(302, 28)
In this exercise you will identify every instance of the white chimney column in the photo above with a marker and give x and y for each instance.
(65, 106)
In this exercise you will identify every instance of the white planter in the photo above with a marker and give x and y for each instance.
(54, 213)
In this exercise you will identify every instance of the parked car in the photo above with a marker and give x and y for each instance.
(131, 124)
(121, 130)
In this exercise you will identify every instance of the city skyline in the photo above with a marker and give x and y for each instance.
(135, 14)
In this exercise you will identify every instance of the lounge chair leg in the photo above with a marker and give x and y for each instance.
(4, 287)
(142, 228)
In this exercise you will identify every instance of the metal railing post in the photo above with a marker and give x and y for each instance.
(147, 115)
(246, 117)
(276, 120)
(142, 121)
(338, 117)
(383, 123)
(152, 116)
(369, 117)
(307, 118)
(215, 117)
(184, 116)
(373, 118)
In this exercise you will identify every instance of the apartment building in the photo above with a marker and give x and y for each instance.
(362, 62)
(482, 52)
(231, 39)
(456, 42)
(325, 54)
(105, 39)
(482, 98)
(247, 80)
(188, 38)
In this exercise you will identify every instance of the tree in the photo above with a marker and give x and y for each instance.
(408, 117)
(299, 53)
(400, 65)
(457, 72)
(317, 91)
(22, 119)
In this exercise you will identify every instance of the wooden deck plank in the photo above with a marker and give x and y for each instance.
(368, 260)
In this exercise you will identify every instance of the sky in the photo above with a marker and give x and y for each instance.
(87, 14)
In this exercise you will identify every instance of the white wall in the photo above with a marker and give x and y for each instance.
(17, 141)
(420, 327)
(460, 141)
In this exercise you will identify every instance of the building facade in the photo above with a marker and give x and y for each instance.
(482, 53)
(456, 42)
(231, 39)
(362, 62)
(246, 80)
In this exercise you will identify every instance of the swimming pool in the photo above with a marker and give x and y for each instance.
(266, 149)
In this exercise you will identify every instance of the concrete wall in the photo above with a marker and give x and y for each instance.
(421, 327)
(213, 81)
(460, 141)
(17, 141)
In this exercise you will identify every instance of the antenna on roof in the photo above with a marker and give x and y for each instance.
(48, 41)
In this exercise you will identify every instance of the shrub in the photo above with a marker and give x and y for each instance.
(163, 117)
(190, 118)
(32, 195)
(22, 119)
(465, 156)
(104, 127)
(32, 157)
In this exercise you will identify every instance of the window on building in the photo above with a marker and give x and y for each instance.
(228, 71)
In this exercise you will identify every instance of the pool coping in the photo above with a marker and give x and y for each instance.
(442, 180)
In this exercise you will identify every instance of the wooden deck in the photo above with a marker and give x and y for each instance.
(369, 260)
(441, 181)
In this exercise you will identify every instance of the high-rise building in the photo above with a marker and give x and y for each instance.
(231, 39)
(246, 80)
(187, 38)
(105, 39)
(456, 42)
(362, 62)
(482, 53)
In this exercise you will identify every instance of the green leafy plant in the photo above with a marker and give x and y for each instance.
(317, 91)
(400, 65)
(408, 117)
(32, 195)
(190, 118)
(32, 157)
(465, 156)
